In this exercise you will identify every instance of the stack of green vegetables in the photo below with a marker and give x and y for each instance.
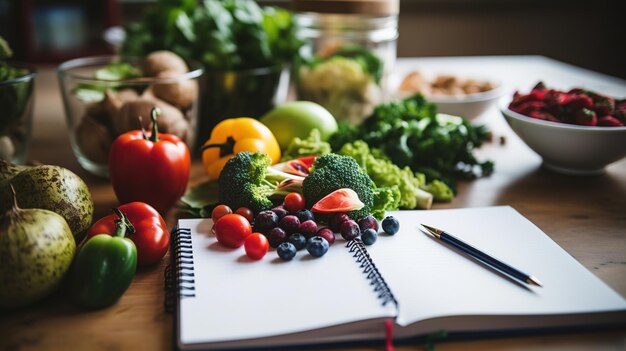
(222, 35)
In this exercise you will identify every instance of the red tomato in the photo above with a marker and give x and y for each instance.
(219, 211)
(151, 236)
(294, 202)
(246, 213)
(232, 229)
(256, 246)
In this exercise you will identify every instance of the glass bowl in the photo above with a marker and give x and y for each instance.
(99, 110)
(16, 104)
(241, 93)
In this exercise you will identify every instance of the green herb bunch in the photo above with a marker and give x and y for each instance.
(411, 134)
(222, 35)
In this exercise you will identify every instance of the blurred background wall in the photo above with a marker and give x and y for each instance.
(591, 34)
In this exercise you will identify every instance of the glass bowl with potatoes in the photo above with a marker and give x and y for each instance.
(455, 95)
(106, 96)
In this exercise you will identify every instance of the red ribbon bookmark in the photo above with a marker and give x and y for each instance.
(389, 335)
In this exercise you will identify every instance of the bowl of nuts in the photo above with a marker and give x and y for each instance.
(465, 97)
(106, 96)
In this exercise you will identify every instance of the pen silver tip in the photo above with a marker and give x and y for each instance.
(432, 230)
(533, 281)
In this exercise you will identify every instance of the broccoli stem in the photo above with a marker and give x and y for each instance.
(424, 199)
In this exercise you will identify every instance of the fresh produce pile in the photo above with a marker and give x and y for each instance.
(305, 197)
(336, 192)
(576, 106)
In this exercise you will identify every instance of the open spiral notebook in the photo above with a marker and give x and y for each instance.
(223, 300)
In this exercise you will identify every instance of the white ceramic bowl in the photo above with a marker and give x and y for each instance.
(468, 106)
(567, 148)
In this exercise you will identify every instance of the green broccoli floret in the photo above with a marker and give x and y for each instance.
(331, 172)
(243, 182)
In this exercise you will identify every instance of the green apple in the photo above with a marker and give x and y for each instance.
(297, 119)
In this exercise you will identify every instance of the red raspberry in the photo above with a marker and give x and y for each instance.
(609, 121)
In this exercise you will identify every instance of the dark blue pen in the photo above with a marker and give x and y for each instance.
(481, 256)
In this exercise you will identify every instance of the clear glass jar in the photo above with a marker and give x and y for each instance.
(349, 53)
(99, 110)
(16, 106)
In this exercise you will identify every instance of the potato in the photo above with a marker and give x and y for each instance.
(180, 93)
(113, 101)
(159, 61)
(94, 140)
(170, 120)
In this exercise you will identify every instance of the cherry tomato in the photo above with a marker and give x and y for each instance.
(294, 202)
(246, 213)
(219, 211)
(232, 229)
(256, 246)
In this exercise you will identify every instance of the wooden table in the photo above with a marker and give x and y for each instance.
(585, 215)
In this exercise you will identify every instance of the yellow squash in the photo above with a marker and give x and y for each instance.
(234, 135)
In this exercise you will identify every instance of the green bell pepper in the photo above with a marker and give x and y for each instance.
(104, 267)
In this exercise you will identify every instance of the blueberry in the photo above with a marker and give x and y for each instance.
(298, 240)
(289, 223)
(327, 234)
(391, 225)
(276, 237)
(286, 251)
(317, 246)
(368, 222)
(336, 220)
(349, 230)
(305, 215)
(369, 236)
(308, 228)
(265, 221)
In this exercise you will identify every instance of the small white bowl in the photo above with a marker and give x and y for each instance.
(567, 148)
(469, 106)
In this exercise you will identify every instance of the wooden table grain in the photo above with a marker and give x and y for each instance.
(584, 215)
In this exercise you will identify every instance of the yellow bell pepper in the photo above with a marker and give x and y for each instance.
(234, 135)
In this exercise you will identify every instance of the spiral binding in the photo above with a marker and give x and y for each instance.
(179, 274)
(369, 269)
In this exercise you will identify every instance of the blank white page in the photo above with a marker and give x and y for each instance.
(237, 298)
(429, 279)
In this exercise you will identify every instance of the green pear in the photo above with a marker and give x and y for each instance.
(36, 251)
(48, 187)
